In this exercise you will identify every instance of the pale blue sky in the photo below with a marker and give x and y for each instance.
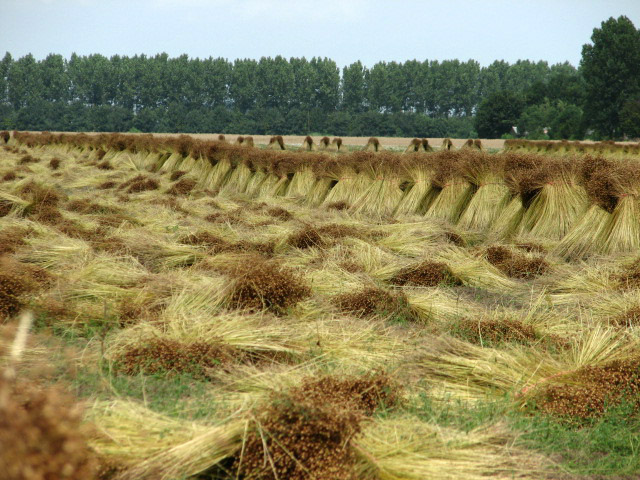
(344, 30)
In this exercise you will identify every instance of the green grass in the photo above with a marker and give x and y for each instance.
(608, 447)
(176, 395)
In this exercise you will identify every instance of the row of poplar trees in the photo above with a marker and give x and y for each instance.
(296, 95)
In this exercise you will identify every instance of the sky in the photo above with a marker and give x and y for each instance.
(343, 30)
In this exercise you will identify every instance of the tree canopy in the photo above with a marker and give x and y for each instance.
(611, 70)
(299, 96)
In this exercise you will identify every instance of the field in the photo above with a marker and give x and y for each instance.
(175, 307)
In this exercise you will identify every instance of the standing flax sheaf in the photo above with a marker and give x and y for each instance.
(324, 143)
(517, 167)
(373, 145)
(350, 182)
(447, 144)
(419, 171)
(277, 180)
(308, 145)
(304, 176)
(612, 223)
(219, 158)
(414, 146)
(276, 143)
(556, 199)
(259, 167)
(383, 194)
(603, 183)
(455, 190)
(492, 194)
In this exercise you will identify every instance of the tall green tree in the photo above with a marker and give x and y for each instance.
(611, 70)
(354, 88)
(498, 113)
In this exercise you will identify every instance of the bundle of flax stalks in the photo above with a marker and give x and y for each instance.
(414, 147)
(517, 168)
(604, 183)
(336, 145)
(276, 181)
(383, 194)
(492, 194)
(276, 143)
(419, 171)
(308, 145)
(324, 143)
(323, 181)
(555, 199)
(351, 181)
(238, 178)
(455, 191)
(373, 145)
(304, 176)
(612, 223)
(221, 163)
(259, 167)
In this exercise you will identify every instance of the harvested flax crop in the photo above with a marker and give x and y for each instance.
(425, 274)
(420, 191)
(455, 191)
(324, 144)
(553, 199)
(518, 168)
(514, 264)
(350, 182)
(383, 193)
(309, 431)
(308, 145)
(373, 145)
(491, 196)
(263, 284)
(373, 301)
(611, 224)
(276, 143)
(590, 391)
(41, 434)
(425, 145)
(304, 177)
(414, 146)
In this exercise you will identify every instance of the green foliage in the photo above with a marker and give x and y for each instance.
(630, 118)
(608, 446)
(289, 96)
(497, 114)
(611, 69)
(562, 121)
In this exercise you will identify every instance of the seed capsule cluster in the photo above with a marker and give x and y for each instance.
(307, 432)
(373, 301)
(306, 238)
(171, 356)
(41, 435)
(267, 284)
(589, 392)
(425, 274)
(495, 332)
(514, 265)
(182, 187)
(139, 183)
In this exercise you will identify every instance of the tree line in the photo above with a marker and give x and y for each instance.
(294, 96)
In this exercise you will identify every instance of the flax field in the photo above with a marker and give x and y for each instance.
(175, 308)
